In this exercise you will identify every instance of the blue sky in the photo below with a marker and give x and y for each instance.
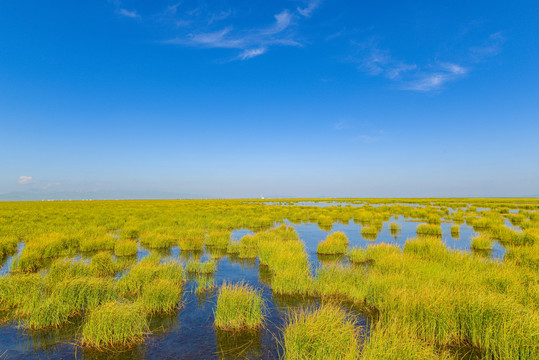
(270, 98)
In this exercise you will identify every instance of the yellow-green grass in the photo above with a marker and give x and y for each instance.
(394, 342)
(199, 267)
(192, 240)
(455, 231)
(103, 242)
(429, 229)
(146, 272)
(394, 227)
(247, 251)
(233, 247)
(326, 333)
(8, 245)
(102, 264)
(126, 248)
(335, 243)
(239, 307)
(68, 298)
(129, 233)
(115, 324)
(218, 239)
(524, 256)
(204, 283)
(369, 230)
(481, 242)
(161, 296)
(19, 290)
(371, 253)
(151, 240)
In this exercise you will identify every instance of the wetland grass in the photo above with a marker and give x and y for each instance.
(115, 324)
(127, 247)
(8, 245)
(481, 242)
(239, 307)
(199, 267)
(161, 296)
(455, 231)
(429, 229)
(334, 244)
(218, 239)
(327, 333)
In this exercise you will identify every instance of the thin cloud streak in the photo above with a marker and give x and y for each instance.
(253, 42)
(426, 78)
(310, 8)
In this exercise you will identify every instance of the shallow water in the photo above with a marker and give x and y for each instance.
(189, 333)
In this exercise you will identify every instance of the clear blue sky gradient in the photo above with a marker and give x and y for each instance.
(273, 98)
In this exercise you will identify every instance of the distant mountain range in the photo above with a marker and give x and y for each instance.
(94, 195)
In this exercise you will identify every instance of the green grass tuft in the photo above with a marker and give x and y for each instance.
(239, 307)
(335, 243)
(115, 324)
(327, 333)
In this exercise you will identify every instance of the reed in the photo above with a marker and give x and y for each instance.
(239, 307)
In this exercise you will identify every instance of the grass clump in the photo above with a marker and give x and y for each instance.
(102, 264)
(394, 342)
(99, 243)
(204, 283)
(161, 296)
(192, 240)
(324, 334)
(371, 253)
(429, 229)
(199, 267)
(115, 324)
(218, 239)
(157, 240)
(8, 245)
(482, 242)
(335, 243)
(455, 231)
(126, 248)
(239, 307)
(148, 271)
(369, 232)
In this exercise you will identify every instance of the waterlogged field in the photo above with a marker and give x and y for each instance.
(298, 279)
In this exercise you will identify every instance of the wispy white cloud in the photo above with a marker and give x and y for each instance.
(220, 16)
(426, 77)
(309, 9)
(24, 180)
(251, 53)
(128, 13)
(252, 42)
(492, 46)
